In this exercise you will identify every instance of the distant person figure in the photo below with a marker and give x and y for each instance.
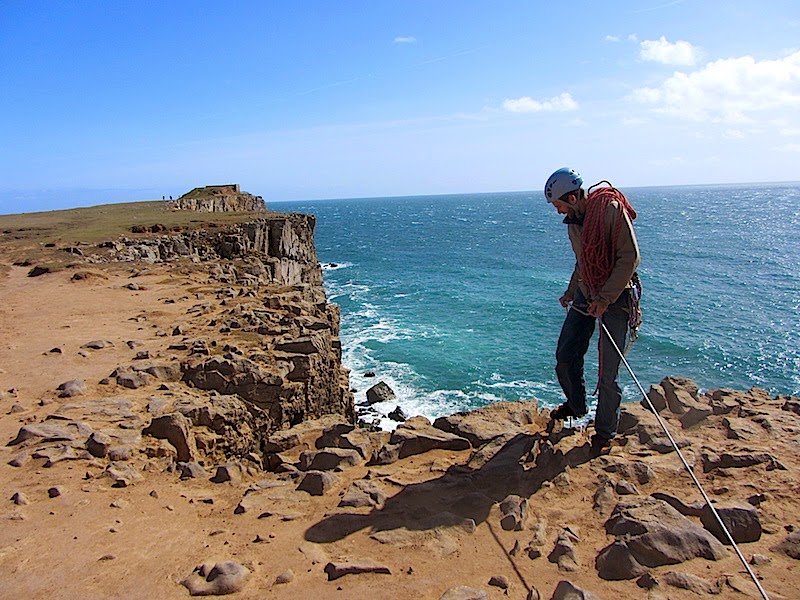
(162, 197)
(170, 198)
(604, 285)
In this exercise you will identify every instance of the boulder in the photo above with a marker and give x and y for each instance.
(230, 472)
(417, 435)
(122, 474)
(350, 437)
(363, 493)
(328, 459)
(694, 509)
(98, 444)
(695, 413)
(738, 460)
(72, 388)
(514, 511)
(191, 470)
(174, 428)
(164, 372)
(74, 432)
(724, 401)
(397, 414)
(380, 392)
(61, 452)
(566, 590)
(484, 424)
(564, 553)
(742, 523)
(318, 483)
(651, 533)
(790, 546)
(132, 379)
(686, 581)
(657, 397)
(680, 393)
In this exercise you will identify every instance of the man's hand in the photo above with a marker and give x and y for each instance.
(565, 300)
(596, 309)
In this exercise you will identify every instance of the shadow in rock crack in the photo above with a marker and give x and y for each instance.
(513, 464)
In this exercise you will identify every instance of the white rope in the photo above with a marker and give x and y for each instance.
(683, 459)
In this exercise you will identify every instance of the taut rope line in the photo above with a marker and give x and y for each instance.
(683, 459)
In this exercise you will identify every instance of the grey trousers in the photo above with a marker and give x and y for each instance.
(576, 333)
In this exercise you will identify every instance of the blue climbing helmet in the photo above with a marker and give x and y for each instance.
(562, 182)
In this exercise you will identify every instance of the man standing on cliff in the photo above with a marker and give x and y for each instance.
(604, 286)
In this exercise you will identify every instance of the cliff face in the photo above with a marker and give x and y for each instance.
(285, 362)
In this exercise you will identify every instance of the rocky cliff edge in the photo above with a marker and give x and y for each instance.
(176, 421)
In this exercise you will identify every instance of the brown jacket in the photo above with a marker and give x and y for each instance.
(626, 259)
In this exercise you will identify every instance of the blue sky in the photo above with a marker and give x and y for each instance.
(117, 101)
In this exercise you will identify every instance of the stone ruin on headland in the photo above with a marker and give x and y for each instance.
(219, 198)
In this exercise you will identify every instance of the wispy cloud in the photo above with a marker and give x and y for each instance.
(526, 104)
(728, 90)
(733, 134)
(788, 148)
(405, 39)
(662, 51)
(612, 38)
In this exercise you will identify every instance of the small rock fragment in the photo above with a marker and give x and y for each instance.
(19, 499)
(334, 570)
(566, 590)
(223, 578)
(514, 510)
(71, 388)
(464, 593)
(285, 577)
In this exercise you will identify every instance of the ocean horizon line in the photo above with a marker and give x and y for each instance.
(10, 198)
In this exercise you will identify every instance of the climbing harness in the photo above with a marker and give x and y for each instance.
(684, 461)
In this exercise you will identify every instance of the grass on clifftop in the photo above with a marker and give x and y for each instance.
(98, 223)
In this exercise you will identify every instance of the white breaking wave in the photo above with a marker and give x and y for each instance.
(334, 266)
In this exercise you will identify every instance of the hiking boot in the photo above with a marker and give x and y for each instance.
(600, 444)
(563, 412)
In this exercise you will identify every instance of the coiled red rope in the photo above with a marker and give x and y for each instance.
(597, 248)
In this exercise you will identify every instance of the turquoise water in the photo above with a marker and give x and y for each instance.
(453, 300)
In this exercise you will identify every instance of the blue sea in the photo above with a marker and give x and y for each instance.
(452, 300)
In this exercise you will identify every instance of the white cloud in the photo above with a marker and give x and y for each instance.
(733, 134)
(728, 90)
(404, 39)
(633, 121)
(526, 104)
(633, 37)
(789, 132)
(789, 148)
(662, 51)
(612, 38)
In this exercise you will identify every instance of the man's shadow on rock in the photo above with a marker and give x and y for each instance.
(512, 464)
